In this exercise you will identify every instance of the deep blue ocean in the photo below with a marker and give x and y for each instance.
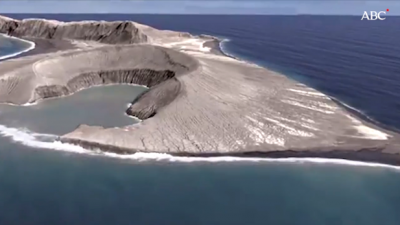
(354, 61)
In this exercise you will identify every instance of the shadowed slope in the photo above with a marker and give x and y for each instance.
(119, 32)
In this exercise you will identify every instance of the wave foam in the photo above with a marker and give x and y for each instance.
(31, 46)
(37, 140)
(48, 141)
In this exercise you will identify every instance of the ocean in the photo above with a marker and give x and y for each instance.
(353, 61)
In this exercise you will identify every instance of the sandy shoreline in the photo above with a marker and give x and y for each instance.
(13, 55)
(201, 102)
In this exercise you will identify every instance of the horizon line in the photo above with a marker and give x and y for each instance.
(186, 14)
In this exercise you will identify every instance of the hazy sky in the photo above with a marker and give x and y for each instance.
(349, 7)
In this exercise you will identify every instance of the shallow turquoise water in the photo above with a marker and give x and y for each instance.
(59, 187)
(10, 46)
(101, 106)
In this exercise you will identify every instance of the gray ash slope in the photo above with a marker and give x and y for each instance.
(199, 103)
(112, 32)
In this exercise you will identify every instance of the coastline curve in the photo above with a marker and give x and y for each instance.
(31, 46)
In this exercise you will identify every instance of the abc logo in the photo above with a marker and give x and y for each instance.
(373, 15)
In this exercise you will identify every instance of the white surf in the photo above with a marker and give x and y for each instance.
(31, 46)
(48, 141)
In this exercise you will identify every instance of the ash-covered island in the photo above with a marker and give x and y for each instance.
(200, 102)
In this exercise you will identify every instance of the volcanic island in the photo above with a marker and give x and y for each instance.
(199, 102)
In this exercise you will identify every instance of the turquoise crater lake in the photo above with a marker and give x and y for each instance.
(97, 106)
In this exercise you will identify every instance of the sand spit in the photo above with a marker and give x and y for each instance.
(199, 103)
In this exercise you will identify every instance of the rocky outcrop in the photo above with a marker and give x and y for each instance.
(51, 91)
(117, 32)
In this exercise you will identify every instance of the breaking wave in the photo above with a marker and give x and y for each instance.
(49, 141)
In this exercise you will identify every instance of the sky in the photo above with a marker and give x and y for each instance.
(280, 7)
